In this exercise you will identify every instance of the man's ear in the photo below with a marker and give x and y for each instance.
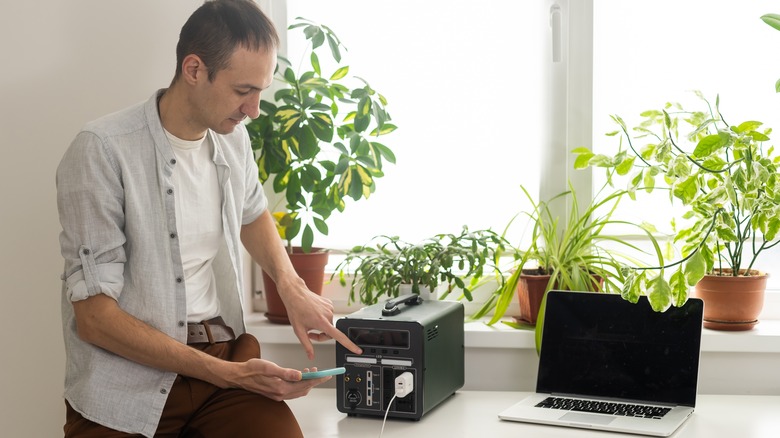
(193, 69)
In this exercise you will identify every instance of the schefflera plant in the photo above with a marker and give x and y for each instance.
(318, 139)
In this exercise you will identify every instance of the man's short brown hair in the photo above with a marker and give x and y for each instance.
(217, 28)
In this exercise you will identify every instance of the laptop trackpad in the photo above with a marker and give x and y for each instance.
(586, 418)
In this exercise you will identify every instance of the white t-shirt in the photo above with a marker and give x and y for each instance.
(198, 221)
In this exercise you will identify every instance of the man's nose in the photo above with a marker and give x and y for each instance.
(252, 107)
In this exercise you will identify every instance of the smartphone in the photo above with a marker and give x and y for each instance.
(323, 373)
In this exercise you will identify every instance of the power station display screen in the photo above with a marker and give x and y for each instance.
(379, 338)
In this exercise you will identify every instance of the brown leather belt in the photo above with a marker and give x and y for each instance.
(211, 331)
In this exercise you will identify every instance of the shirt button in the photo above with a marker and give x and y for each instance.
(181, 323)
(163, 391)
(173, 160)
(170, 191)
(85, 252)
(178, 279)
(173, 235)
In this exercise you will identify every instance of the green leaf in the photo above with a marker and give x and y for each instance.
(342, 165)
(334, 47)
(315, 63)
(307, 143)
(772, 20)
(289, 75)
(387, 154)
(632, 286)
(660, 294)
(686, 190)
(341, 148)
(695, 269)
(746, 127)
(711, 144)
(322, 126)
(772, 228)
(726, 233)
(625, 166)
(365, 177)
(322, 227)
(582, 160)
(307, 239)
(292, 231)
(340, 73)
(540, 324)
(317, 39)
(363, 148)
(385, 129)
(679, 288)
(355, 185)
(363, 116)
(649, 179)
(757, 136)
(601, 160)
(648, 151)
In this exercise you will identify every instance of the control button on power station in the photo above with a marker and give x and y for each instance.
(353, 398)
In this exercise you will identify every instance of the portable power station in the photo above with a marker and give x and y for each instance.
(404, 334)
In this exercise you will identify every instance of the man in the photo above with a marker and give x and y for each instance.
(153, 201)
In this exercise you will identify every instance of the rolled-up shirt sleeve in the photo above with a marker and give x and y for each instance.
(255, 202)
(90, 202)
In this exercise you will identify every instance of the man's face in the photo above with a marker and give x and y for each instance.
(234, 92)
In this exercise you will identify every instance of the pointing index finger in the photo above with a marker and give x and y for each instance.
(342, 339)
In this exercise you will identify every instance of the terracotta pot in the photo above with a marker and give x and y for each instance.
(732, 303)
(310, 267)
(530, 292)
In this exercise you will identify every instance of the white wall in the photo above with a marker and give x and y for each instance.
(63, 63)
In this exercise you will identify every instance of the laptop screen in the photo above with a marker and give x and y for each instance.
(599, 345)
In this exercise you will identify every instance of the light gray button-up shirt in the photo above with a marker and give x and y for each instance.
(116, 206)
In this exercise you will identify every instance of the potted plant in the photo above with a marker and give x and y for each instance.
(317, 144)
(727, 181)
(387, 265)
(578, 254)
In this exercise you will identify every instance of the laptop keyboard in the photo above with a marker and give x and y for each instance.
(601, 407)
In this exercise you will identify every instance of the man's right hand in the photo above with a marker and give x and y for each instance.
(271, 380)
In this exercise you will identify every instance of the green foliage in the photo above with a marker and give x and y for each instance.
(774, 21)
(318, 139)
(579, 254)
(459, 261)
(724, 177)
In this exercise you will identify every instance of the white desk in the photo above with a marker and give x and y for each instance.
(475, 414)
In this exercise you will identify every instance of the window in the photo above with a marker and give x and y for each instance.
(648, 53)
(463, 84)
(482, 107)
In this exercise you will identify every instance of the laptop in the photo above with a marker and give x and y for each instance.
(609, 364)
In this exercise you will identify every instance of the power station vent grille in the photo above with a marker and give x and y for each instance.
(433, 333)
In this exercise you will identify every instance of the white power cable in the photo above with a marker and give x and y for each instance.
(404, 385)
(387, 412)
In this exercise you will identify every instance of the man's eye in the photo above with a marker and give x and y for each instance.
(242, 93)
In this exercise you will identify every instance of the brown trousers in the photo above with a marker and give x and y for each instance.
(197, 409)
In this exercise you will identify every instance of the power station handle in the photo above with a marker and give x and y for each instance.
(392, 306)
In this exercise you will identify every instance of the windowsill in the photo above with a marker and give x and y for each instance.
(763, 338)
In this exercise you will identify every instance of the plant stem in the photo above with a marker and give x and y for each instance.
(686, 258)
